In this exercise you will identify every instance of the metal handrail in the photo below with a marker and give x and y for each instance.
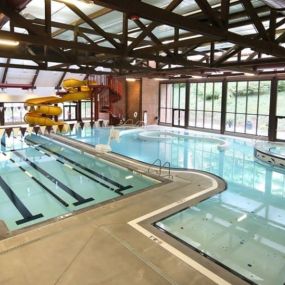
(140, 123)
(153, 164)
(167, 165)
(128, 122)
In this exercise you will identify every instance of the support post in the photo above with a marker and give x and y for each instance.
(272, 126)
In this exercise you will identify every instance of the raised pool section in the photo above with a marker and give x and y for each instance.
(271, 153)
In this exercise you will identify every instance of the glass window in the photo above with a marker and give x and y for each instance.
(230, 122)
(231, 96)
(163, 96)
(262, 126)
(252, 99)
(175, 95)
(280, 111)
(200, 96)
(264, 98)
(192, 118)
(14, 113)
(192, 99)
(216, 120)
(182, 101)
(85, 110)
(209, 97)
(248, 107)
(205, 98)
(241, 96)
(217, 97)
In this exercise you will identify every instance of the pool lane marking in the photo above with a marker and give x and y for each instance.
(19, 205)
(38, 182)
(76, 196)
(185, 258)
(121, 187)
(80, 172)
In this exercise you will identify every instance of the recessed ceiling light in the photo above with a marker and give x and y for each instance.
(131, 79)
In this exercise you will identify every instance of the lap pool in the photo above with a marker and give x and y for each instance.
(41, 179)
(241, 229)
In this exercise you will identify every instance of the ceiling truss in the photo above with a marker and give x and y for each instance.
(203, 41)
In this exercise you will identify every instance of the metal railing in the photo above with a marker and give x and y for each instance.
(158, 163)
(128, 122)
(167, 166)
(153, 166)
(140, 124)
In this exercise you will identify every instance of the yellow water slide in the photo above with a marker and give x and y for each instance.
(42, 108)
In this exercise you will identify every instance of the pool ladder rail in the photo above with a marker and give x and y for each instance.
(158, 163)
(130, 122)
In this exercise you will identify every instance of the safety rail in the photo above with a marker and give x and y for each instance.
(158, 163)
(154, 165)
(167, 166)
(140, 124)
(128, 122)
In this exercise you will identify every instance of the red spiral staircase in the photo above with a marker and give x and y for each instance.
(105, 95)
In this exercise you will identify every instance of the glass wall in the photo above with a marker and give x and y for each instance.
(165, 112)
(280, 110)
(14, 113)
(173, 104)
(205, 101)
(85, 110)
(247, 108)
(69, 111)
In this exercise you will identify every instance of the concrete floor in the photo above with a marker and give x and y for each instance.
(99, 247)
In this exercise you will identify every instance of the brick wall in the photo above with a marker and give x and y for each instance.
(150, 94)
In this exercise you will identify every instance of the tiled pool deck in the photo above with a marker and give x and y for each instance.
(100, 246)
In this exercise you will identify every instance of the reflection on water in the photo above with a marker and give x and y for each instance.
(243, 228)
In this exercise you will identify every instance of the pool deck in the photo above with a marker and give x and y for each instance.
(101, 246)
(115, 243)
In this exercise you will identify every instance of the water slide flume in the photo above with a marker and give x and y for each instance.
(41, 108)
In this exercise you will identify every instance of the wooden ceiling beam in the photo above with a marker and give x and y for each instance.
(153, 13)
(92, 24)
(5, 73)
(72, 70)
(250, 10)
(225, 12)
(173, 4)
(80, 21)
(209, 12)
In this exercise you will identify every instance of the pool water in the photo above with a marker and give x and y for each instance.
(243, 228)
(41, 179)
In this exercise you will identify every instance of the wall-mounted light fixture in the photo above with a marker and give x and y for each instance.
(130, 79)
(9, 43)
(249, 74)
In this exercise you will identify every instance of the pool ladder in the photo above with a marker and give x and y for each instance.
(158, 163)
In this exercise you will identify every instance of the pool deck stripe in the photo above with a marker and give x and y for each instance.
(76, 196)
(23, 210)
(118, 191)
(121, 187)
(39, 183)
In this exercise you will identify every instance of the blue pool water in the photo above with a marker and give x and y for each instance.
(41, 179)
(243, 228)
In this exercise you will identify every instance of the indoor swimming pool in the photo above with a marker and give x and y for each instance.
(41, 179)
(241, 229)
